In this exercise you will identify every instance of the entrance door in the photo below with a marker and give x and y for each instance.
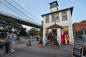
(54, 32)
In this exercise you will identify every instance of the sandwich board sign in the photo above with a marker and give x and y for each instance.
(78, 50)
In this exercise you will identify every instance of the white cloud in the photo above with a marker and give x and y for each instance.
(27, 27)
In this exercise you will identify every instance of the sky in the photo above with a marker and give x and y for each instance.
(40, 7)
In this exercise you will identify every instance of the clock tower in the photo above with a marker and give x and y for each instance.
(53, 6)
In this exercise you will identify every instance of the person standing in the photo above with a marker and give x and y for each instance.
(37, 37)
(14, 37)
(8, 42)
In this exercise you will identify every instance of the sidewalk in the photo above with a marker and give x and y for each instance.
(35, 51)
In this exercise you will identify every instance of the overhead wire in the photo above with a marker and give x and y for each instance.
(26, 11)
(11, 9)
(20, 11)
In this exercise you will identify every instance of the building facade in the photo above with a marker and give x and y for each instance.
(59, 20)
(79, 26)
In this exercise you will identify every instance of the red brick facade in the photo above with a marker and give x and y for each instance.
(79, 26)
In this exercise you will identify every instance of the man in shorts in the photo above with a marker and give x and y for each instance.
(8, 42)
(14, 37)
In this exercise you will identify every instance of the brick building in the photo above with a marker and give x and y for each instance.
(79, 26)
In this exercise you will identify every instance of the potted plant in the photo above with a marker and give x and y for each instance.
(29, 43)
(56, 43)
(41, 43)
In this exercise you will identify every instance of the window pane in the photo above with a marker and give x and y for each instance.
(55, 17)
(64, 15)
(47, 19)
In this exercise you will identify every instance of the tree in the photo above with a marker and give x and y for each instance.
(23, 32)
(33, 31)
(41, 31)
(7, 24)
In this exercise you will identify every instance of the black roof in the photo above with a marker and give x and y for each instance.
(54, 2)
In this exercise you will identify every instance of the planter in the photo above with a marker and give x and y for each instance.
(55, 46)
(41, 45)
(29, 44)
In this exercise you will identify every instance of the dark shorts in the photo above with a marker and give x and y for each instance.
(7, 47)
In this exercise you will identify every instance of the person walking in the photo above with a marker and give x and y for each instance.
(37, 37)
(14, 37)
(8, 42)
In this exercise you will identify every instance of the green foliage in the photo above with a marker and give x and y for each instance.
(41, 42)
(41, 30)
(8, 24)
(56, 42)
(79, 33)
(23, 31)
(29, 41)
(33, 31)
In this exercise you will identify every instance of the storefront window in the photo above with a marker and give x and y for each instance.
(64, 15)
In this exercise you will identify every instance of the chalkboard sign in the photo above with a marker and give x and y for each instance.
(78, 50)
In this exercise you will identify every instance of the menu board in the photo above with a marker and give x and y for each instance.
(78, 50)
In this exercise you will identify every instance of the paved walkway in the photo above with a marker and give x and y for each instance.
(35, 51)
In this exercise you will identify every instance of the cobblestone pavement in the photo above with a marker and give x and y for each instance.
(35, 51)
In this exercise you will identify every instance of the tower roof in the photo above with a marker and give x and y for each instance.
(54, 2)
(71, 8)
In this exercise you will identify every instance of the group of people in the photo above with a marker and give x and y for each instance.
(10, 42)
(51, 36)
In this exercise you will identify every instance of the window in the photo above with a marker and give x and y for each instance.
(47, 19)
(55, 17)
(64, 15)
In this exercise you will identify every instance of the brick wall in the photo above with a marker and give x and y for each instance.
(79, 26)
